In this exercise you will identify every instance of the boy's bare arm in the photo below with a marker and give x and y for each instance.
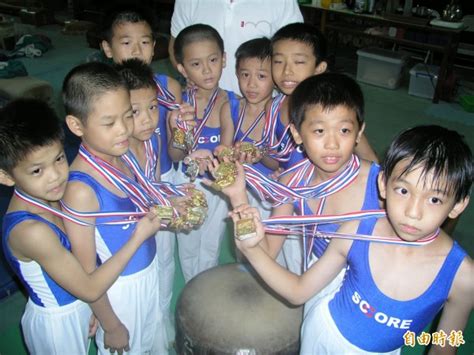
(175, 88)
(364, 150)
(171, 52)
(35, 240)
(82, 198)
(227, 125)
(272, 243)
(458, 306)
(296, 289)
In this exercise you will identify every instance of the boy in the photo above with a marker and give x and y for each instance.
(298, 52)
(98, 110)
(127, 33)
(390, 290)
(327, 112)
(145, 148)
(199, 52)
(247, 116)
(34, 242)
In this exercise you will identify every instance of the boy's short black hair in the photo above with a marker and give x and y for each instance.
(328, 90)
(437, 150)
(86, 83)
(26, 125)
(124, 13)
(136, 74)
(196, 33)
(259, 48)
(306, 34)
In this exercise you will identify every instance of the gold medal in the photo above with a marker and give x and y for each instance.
(179, 139)
(224, 175)
(245, 229)
(164, 212)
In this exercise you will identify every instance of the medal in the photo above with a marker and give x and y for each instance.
(245, 229)
(224, 175)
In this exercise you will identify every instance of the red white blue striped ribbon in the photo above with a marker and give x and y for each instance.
(278, 193)
(165, 97)
(291, 225)
(271, 120)
(278, 148)
(151, 189)
(137, 194)
(125, 217)
(240, 121)
(191, 94)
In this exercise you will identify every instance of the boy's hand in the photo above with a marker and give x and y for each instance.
(219, 149)
(147, 226)
(116, 339)
(202, 156)
(246, 158)
(93, 325)
(184, 113)
(237, 188)
(246, 211)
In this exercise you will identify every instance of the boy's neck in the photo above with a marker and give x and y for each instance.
(205, 93)
(111, 159)
(256, 107)
(135, 145)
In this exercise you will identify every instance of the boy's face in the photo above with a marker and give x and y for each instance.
(255, 79)
(328, 136)
(130, 40)
(202, 64)
(145, 113)
(415, 205)
(43, 173)
(292, 62)
(108, 126)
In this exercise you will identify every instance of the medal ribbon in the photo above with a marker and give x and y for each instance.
(270, 120)
(241, 120)
(165, 97)
(207, 112)
(290, 225)
(276, 192)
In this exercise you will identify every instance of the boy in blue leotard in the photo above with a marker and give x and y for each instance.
(128, 33)
(101, 186)
(145, 147)
(247, 115)
(327, 113)
(391, 292)
(199, 52)
(34, 242)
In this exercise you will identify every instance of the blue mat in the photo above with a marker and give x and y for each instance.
(451, 112)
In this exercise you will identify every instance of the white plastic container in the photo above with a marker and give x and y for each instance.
(380, 67)
(423, 80)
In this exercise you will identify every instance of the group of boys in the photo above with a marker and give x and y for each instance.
(94, 222)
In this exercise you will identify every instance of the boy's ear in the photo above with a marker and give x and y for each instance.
(181, 70)
(361, 131)
(75, 125)
(224, 59)
(295, 134)
(458, 208)
(6, 179)
(321, 68)
(382, 185)
(106, 48)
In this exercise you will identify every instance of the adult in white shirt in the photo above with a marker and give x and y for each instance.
(237, 21)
